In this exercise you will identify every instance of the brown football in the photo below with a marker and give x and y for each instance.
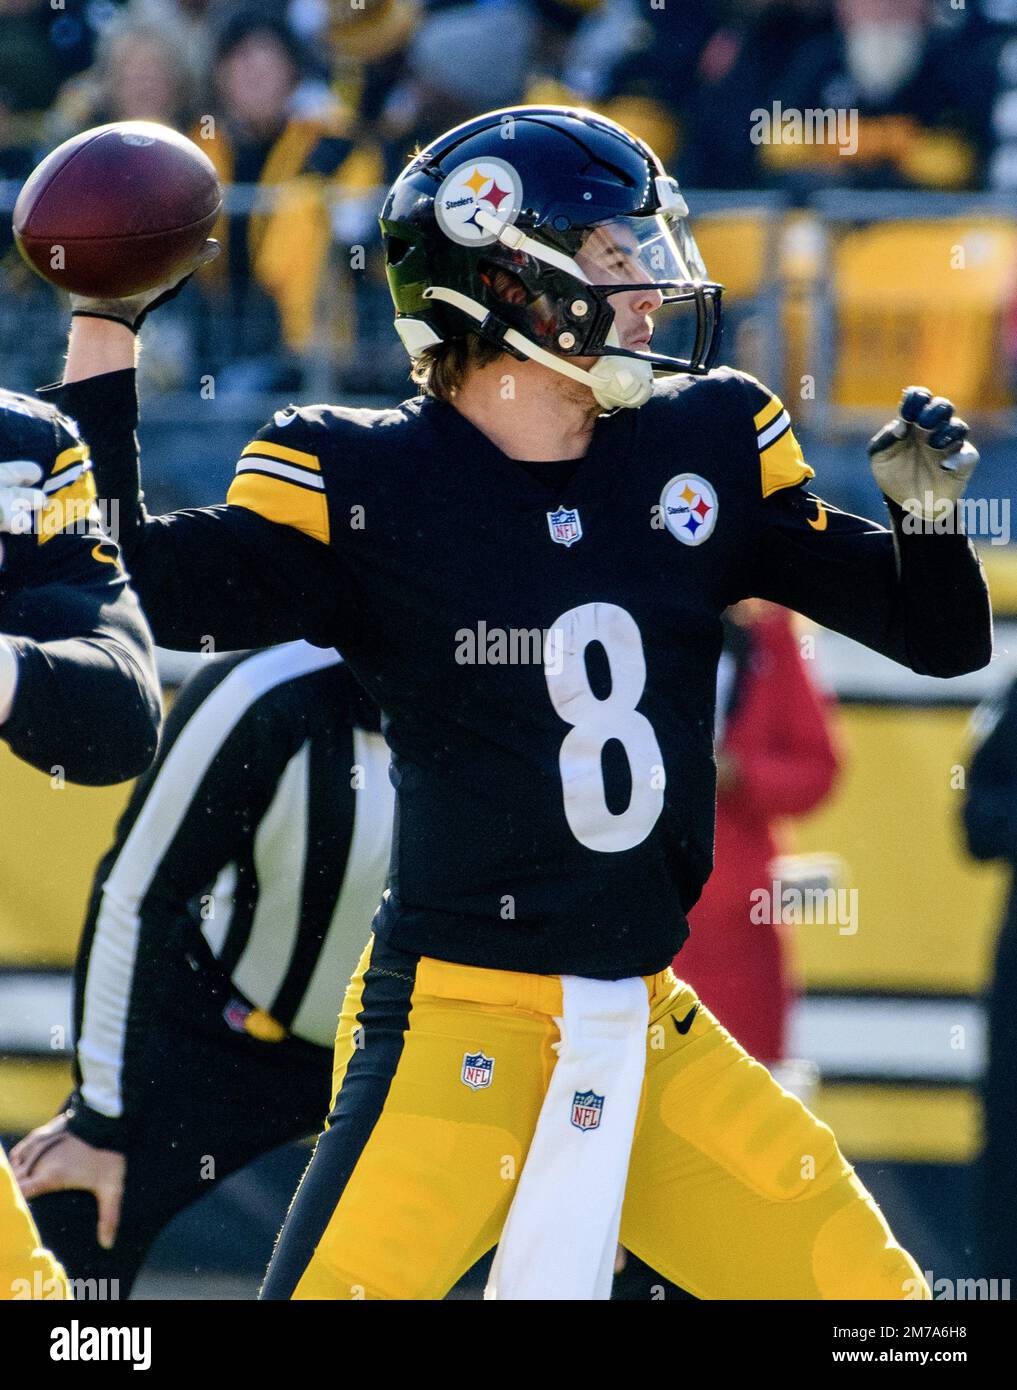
(117, 209)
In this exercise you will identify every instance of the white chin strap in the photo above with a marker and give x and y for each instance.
(614, 381)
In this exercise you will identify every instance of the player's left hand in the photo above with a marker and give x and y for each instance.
(51, 1159)
(133, 311)
(923, 457)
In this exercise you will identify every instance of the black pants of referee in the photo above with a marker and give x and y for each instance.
(212, 1093)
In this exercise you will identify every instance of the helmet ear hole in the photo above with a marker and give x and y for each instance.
(396, 249)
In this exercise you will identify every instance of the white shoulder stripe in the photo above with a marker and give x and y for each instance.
(774, 430)
(61, 480)
(258, 463)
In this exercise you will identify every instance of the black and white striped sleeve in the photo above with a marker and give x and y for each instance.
(227, 742)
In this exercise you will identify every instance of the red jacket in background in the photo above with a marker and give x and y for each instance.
(780, 737)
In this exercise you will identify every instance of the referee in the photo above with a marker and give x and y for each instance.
(223, 927)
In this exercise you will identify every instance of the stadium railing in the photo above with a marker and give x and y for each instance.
(913, 286)
(839, 303)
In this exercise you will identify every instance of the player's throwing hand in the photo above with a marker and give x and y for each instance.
(133, 311)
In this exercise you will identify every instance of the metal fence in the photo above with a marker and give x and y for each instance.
(838, 303)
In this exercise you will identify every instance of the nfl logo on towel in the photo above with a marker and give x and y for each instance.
(565, 526)
(586, 1109)
(477, 1070)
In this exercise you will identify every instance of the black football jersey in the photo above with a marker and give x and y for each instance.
(545, 656)
(85, 660)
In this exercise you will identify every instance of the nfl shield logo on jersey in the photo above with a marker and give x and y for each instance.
(477, 1070)
(565, 526)
(587, 1108)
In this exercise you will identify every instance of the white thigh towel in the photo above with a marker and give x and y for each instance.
(562, 1228)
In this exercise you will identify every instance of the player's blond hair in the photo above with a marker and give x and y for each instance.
(441, 370)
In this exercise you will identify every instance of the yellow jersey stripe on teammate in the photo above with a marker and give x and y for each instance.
(71, 488)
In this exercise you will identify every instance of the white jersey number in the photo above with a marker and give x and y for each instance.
(596, 721)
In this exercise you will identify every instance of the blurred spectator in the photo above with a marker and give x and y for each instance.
(990, 822)
(919, 87)
(41, 45)
(464, 59)
(368, 49)
(638, 66)
(740, 70)
(776, 757)
(290, 139)
(559, 22)
(191, 23)
(139, 75)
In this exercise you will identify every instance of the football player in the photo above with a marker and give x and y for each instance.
(223, 926)
(526, 567)
(75, 657)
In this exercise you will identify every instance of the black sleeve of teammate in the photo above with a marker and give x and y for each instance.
(194, 812)
(990, 811)
(223, 573)
(87, 694)
(918, 598)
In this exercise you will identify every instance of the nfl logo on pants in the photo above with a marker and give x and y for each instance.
(477, 1070)
(587, 1107)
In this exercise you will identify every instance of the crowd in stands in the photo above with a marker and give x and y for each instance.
(296, 98)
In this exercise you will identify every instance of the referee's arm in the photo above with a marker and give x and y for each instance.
(194, 812)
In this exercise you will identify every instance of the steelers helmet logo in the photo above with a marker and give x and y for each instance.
(482, 185)
(689, 505)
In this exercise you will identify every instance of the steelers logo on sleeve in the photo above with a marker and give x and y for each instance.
(689, 504)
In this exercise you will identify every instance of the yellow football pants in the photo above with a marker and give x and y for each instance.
(27, 1270)
(735, 1190)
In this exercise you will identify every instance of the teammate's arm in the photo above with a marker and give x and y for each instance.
(914, 592)
(222, 576)
(75, 654)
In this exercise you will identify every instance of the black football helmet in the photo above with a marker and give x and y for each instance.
(577, 210)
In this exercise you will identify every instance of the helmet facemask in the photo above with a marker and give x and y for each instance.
(629, 291)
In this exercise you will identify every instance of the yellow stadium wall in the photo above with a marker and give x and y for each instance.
(52, 839)
(927, 914)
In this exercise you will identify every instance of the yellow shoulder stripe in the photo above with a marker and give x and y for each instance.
(287, 504)
(267, 449)
(780, 455)
(783, 465)
(77, 453)
(74, 505)
(764, 418)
